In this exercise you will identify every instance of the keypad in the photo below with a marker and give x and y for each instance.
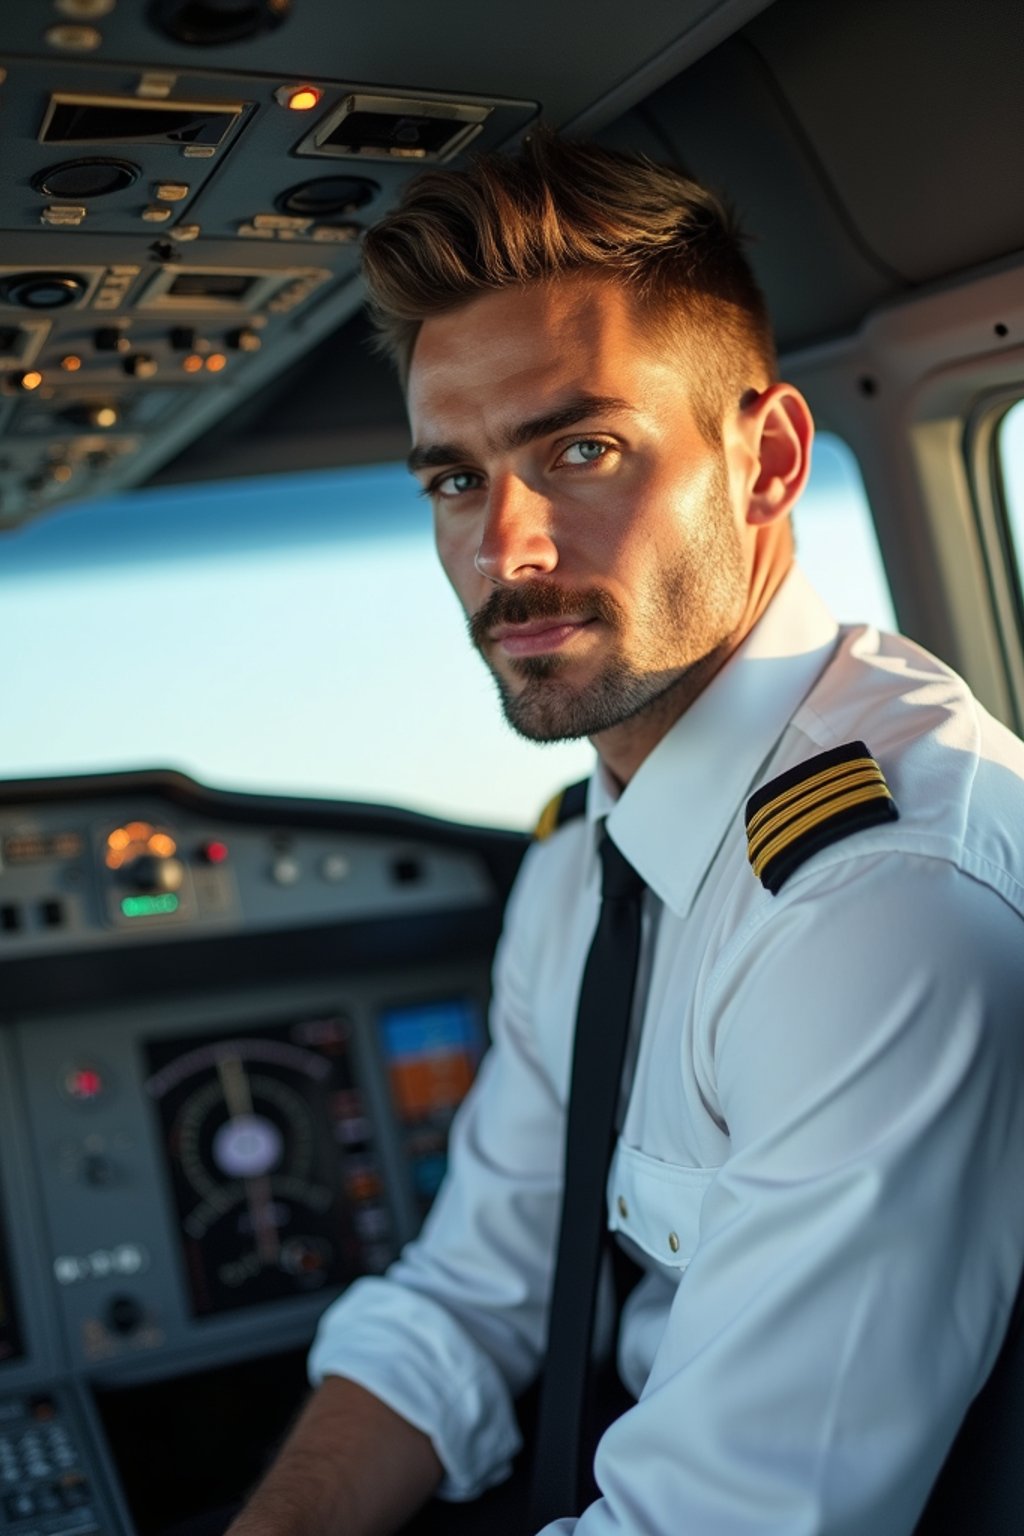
(43, 1488)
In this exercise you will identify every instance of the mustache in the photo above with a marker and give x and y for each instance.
(539, 600)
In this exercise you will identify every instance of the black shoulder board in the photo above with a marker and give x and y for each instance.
(810, 806)
(562, 808)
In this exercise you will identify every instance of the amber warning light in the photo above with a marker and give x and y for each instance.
(299, 98)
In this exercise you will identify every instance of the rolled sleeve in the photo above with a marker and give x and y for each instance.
(411, 1353)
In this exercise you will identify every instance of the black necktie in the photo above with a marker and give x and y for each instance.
(602, 1027)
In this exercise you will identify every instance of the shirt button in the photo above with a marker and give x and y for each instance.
(673, 1242)
(623, 1207)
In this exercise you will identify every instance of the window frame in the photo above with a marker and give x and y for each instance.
(1004, 562)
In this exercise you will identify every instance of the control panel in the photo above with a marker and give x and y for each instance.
(177, 232)
(122, 870)
(233, 1036)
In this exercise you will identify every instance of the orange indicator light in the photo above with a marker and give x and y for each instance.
(216, 362)
(299, 98)
(31, 380)
(193, 363)
(71, 363)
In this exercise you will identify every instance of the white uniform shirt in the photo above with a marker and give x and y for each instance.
(820, 1161)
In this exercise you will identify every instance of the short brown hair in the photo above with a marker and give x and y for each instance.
(557, 207)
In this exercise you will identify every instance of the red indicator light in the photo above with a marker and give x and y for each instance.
(84, 1083)
(215, 852)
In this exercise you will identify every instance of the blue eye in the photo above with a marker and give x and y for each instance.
(589, 450)
(456, 484)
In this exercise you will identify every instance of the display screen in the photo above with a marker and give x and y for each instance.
(10, 1337)
(432, 1052)
(272, 1163)
(211, 285)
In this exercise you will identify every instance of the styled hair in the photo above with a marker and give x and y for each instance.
(557, 207)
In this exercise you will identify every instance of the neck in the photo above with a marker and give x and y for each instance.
(623, 747)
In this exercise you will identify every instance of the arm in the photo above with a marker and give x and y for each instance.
(454, 1331)
(860, 1247)
(350, 1467)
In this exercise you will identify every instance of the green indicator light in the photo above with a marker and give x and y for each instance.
(149, 906)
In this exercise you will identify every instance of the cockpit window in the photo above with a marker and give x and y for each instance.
(1011, 462)
(295, 635)
(836, 540)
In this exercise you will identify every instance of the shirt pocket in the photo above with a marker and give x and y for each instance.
(656, 1205)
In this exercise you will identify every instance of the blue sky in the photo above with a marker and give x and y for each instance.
(295, 635)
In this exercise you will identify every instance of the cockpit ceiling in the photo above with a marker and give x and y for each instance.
(181, 239)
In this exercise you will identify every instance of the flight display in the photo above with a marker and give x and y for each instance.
(432, 1051)
(272, 1163)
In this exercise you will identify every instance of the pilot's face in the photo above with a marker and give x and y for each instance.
(585, 523)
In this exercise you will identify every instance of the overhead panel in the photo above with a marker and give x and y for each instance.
(187, 184)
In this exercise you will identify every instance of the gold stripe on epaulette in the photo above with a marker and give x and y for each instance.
(828, 776)
(796, 829)
(549, 817)
(796, 802)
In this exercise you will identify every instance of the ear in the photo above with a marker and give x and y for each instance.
(780, 430)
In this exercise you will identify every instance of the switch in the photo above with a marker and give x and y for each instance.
(140, 365)
(63, 215)
(110, 338)
(124, 1315)
(171, 191)
(285, 870)
(245, 340)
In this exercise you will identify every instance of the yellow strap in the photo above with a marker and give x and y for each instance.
(815, 818)
(826, 775)
(548, 818)
(872, 775)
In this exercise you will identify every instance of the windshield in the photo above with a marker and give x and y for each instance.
(295, 635)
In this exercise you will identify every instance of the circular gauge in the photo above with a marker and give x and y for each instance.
(328, 197)
(43, 290)
(210, 23)
(93, 177)
(257, 1170)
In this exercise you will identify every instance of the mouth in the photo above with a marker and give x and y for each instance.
(539, 637)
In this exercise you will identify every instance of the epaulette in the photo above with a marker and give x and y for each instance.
(810, 806)
(561, 808)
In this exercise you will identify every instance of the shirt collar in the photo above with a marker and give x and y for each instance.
(672, 816)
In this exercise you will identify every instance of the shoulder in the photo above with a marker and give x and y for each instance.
(567, 805)
(891, 752)
(554, 869)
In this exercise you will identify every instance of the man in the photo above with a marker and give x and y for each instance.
(816, 1162)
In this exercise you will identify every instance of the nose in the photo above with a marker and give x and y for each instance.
(516, 541)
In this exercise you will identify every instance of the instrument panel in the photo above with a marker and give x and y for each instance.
(216, 1111)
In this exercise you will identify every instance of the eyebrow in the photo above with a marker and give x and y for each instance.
(439, 455)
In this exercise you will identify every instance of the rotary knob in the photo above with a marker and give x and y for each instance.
(152, 873)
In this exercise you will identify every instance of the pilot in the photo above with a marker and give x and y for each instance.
(816, 1111)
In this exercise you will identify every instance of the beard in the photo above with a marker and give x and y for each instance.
(673, 641)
